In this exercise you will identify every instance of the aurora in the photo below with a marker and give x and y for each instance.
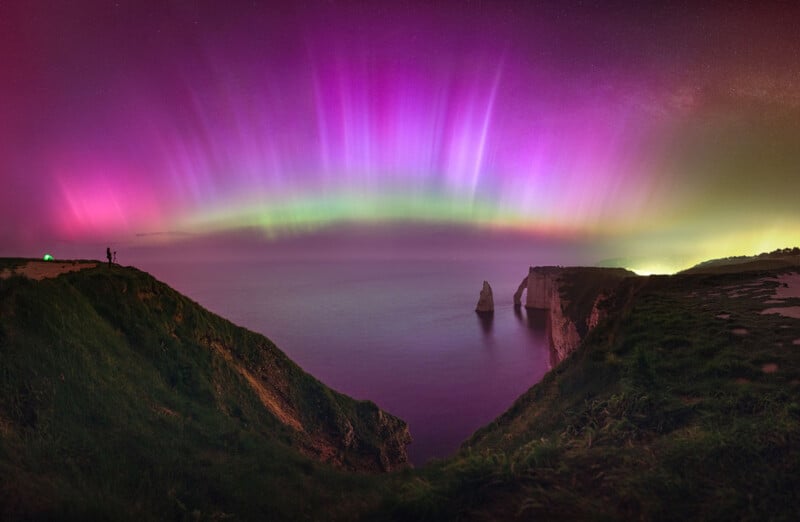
(668, 135)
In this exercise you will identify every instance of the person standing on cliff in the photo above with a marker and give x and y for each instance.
(108, 255)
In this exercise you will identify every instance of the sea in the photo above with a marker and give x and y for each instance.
(401, 333)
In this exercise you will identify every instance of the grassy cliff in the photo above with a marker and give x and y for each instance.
(683, 404)
(120, 398)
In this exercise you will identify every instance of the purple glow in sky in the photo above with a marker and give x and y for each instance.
(652, 129)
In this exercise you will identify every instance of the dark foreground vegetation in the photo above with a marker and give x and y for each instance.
(122, 399)
(683, 404)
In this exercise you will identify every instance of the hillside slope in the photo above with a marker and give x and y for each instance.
(120, 397)
(775, 260)
(684, 404)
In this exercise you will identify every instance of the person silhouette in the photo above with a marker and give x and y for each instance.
(108, 255)
(115, 257)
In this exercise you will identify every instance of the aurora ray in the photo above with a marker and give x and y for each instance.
(647, 129)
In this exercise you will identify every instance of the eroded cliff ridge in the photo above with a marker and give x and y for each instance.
(681, 404)
(185, 367)
(575, 298)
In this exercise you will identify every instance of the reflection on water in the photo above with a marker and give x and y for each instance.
(486, 319)
(537, 321)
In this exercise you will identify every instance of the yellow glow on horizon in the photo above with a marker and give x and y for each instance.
(654, 269)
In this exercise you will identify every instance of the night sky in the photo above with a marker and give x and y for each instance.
(658, 134)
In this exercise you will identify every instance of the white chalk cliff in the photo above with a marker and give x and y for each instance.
(546, 290)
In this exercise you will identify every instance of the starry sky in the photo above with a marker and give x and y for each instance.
(656, 134)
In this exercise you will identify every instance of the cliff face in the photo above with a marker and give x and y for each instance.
(617, 403)
(181, 363)
(354, 435)
(543, 292)
(574, 298)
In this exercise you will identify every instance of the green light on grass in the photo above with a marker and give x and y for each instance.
(48, 257)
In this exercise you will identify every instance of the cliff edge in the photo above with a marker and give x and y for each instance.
(680, 405)
(575, 298)
(114, 386)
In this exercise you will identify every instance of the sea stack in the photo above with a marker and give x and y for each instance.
(485, 301)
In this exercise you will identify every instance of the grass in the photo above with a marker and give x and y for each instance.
(113, 405)
(661, 414)
(12, 262)
(580, 286)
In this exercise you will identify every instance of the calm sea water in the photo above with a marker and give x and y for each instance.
(403, 334)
